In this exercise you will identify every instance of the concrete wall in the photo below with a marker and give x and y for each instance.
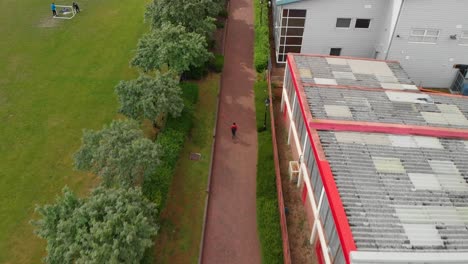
(321, 33)
(431, 64)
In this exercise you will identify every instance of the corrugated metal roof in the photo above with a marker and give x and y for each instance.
(395, 191)
(423, 235)
(338, 110)
(401, 193)
(425, 181)
(376, 106)
(325, 81)
(354, 72)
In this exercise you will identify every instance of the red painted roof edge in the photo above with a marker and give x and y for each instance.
(372, 127)
(341, 57)
(426, 91)
(336, 205)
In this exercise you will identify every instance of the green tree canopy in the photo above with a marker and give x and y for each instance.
(119, 153)
(110, 226)
(195, 15)
(148, 97)
(171, 46)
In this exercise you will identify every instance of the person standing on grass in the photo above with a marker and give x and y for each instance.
(54, 11)
(76, 7)
(233, 130)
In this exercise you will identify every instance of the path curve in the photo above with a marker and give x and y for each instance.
(231, 224)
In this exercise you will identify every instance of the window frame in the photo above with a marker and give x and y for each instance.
(282, 32)
(348, 27)
(463, 41)
(330, 53)
(362, 28)
(424, 36)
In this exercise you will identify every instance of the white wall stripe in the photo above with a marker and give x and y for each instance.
(310, 194)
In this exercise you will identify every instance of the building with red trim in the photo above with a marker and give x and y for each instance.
(383, 166)
(428, 38)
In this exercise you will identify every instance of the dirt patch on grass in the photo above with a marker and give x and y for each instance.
(48, 22)
(298, 228)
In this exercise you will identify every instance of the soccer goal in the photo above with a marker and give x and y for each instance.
(65, 12)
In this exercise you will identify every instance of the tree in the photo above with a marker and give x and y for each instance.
(195, 15)
(149, 98)
(119, 153)
(171, 46)
(111, 226)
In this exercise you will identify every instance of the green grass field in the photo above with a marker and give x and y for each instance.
(56, 78)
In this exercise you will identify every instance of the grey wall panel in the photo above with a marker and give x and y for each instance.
(431, 64)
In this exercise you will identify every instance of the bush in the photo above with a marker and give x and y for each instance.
(171, 141)
(190, 93)
(223, 13)
(268, 220)
(211, 43)
(262, 39)
(219, 24)
(217, 63)
(196, 73)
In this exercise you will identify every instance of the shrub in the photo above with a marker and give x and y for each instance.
(223, 13)
(217, 63)
(262, 41)
(171, 141)
(190, 93)
(211, 43)
(219, 24)
(196, 73)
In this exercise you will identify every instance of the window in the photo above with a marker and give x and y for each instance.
(343, 22)
(362, 23)
(297, 13)
(288, 36)
(424, 35)
(464, 38)
(335, 51)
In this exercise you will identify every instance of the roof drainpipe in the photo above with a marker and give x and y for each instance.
(394, 30)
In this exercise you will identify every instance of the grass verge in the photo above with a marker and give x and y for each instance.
(268, 221)
(262, 43)
(181, 220)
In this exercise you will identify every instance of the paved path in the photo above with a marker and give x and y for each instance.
(231, 227)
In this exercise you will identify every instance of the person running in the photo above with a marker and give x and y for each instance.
(76, 7)
(233, 130)
(54, 10)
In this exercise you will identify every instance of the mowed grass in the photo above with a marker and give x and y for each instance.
(57, 77)
(179, 238)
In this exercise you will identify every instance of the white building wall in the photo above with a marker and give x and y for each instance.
(431, 65)
(318, 230)
(389, 23)
(321, 33)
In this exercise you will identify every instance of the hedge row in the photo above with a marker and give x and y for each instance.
(171, 141)
(262, 42)
(268, 220)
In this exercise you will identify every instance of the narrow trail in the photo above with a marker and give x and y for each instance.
(231, 225)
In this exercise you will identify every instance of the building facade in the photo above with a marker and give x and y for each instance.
(426, 37)
(383, 173)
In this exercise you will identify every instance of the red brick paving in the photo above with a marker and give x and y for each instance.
(231, 225)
